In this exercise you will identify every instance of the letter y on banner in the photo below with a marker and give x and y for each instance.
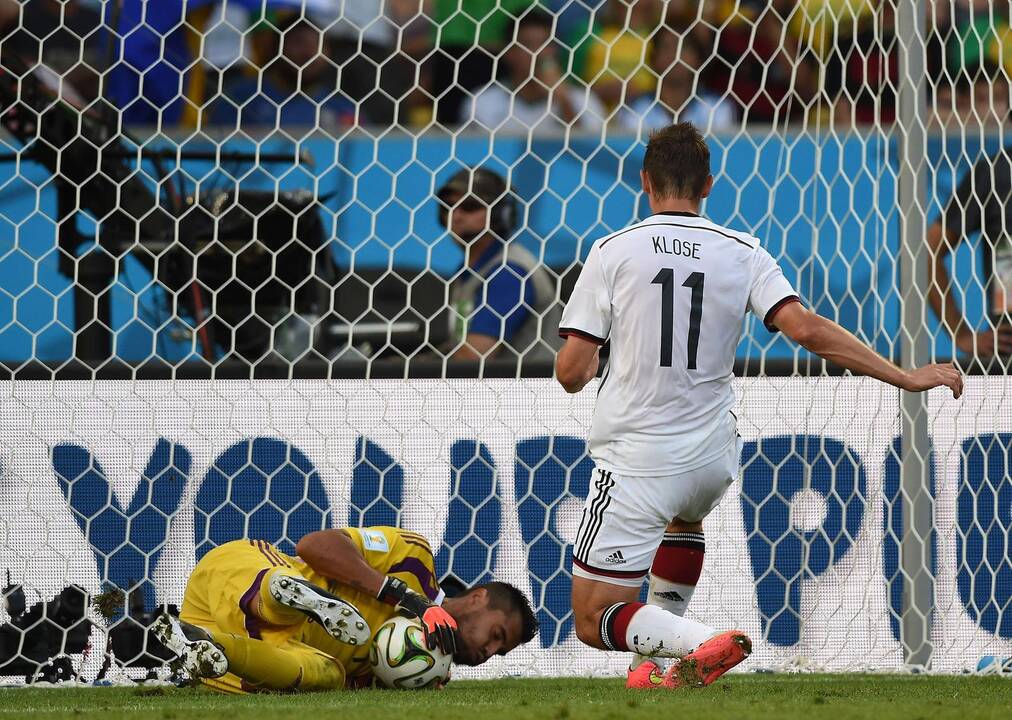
(126, 542)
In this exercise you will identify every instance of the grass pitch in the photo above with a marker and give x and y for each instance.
(739, 697)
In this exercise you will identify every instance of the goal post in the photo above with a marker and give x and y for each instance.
(910, 128)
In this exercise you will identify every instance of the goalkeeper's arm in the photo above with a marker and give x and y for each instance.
(332, 553)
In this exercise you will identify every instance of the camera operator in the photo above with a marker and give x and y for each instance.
(502, 302)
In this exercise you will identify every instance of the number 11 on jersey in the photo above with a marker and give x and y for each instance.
(666, 279)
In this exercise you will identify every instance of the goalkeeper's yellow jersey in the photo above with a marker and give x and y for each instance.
(227, 575)
(391, 551)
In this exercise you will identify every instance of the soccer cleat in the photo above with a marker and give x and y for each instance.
(196, 652)
(645, 676)
(342, 620)
(709, 661)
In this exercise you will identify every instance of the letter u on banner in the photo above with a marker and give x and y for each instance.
(548, 471)
(262, 488)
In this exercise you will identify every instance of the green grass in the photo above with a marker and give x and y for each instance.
(740, 697)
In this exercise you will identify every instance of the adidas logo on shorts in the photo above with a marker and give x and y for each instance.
(615, 558)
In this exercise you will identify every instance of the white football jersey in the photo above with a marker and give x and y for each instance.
(670, 294)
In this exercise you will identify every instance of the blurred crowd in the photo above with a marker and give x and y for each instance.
(512, 65)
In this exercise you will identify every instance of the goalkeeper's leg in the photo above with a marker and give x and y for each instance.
(292, 666)
(207, 653)
(286, 593)
(242, 586)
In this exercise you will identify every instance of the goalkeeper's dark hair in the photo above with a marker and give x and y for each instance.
(678, 162)
(503, 596)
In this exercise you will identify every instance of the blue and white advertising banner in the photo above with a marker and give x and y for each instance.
(131, 482)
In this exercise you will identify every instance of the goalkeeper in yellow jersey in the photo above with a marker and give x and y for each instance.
(254, 618)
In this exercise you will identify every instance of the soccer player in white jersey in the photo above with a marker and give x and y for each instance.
(670, 294)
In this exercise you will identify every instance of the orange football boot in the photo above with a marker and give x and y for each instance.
(709, 661)
(645, 676)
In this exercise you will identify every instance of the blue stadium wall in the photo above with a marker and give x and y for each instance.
(824, 205)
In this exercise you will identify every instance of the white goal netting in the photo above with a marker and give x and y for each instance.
(269, 266)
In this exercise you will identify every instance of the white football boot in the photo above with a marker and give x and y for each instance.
(196, 652)
(340, 619)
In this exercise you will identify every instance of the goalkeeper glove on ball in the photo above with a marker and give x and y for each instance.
(439, 626)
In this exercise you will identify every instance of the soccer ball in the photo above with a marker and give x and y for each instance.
(400, 659)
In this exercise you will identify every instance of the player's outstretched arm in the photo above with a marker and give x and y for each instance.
(827, 339)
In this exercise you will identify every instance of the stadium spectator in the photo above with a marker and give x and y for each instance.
(616, 62)
(375, 69)
(939, 29)
(534, 96)
(153, 56)
(862, 72)
(503, 300)
(820, 22)
(574, 19)
(769, 72)
(990, 98)
(467, 38)
(980, 204)
(980, 35)
(414, 19)
(981, 101)
(950, 106)
(297, 89)
(687, 17)
(226, 45)
(680, 96)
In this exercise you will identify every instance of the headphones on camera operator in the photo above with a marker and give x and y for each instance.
(491, 191)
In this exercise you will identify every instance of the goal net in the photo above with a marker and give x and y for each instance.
(235, 301)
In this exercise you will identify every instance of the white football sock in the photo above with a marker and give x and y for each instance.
(651, 630)
(655, 631)
(680, 558)
(673, 597)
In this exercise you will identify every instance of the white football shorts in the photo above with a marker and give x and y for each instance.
(625, 516)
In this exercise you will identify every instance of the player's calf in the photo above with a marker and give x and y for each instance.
(643, 629)
(195, 650)
(340, 619)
